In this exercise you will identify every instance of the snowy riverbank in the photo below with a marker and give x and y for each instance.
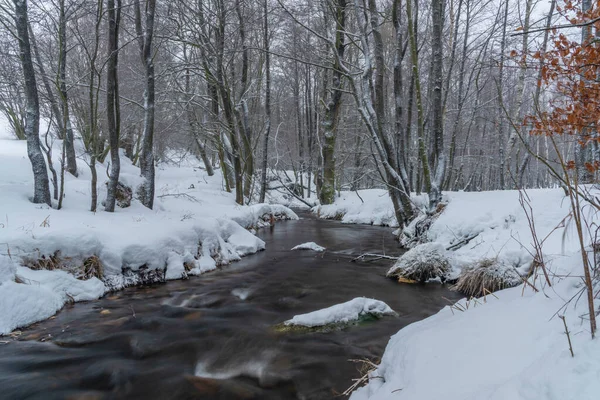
(510, 345)
(195, 226)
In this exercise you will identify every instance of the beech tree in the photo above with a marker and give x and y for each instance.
(112, 101)
(41, 189)
(145, 34)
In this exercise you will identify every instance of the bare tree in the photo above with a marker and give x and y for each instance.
(146, 191)
(265, 155)
(112, 101)
(41, 189)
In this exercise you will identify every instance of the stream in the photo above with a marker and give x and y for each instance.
(211, 337)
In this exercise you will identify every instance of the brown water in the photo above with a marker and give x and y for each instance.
(195, 339)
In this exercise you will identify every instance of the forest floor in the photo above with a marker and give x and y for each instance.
(194, 227)
(507, 345)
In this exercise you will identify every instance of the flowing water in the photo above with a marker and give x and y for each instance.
(211, 337)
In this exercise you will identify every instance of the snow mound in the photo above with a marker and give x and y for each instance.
(342, 313)
(41, 295)
(421, 263)
(487, 276)
(309, 246)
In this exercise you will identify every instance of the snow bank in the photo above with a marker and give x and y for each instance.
(195, 227)
(309, 246)
(369, 206)
(510, 345)
(342, 313)
(40, 295)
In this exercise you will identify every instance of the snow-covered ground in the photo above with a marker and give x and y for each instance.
(368, 206)
(512, 344)
(194, 227)
(342, 313)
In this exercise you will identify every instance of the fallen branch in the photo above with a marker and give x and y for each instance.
(462, 243)
(177, 195)
(376, 257)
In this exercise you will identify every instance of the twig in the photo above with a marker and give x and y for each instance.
(377, 257)
(462, 242)
(568, 334)
(177, 195)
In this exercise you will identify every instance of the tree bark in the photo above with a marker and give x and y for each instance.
(41, 192)
(265, 155)
(145, 37)
(437, 111)
(333, 107)
(112, 102)
(68, 136)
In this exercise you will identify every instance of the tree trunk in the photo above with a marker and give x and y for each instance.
(538, 91)
(265, 155)
(500, 121)
(420, 110)
(242, 109)
(112, 102)
(68, 136)
(41, 192)
(437, 111)
(333, 107)
(145, 43)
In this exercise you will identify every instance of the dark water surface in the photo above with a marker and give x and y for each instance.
(197, 339)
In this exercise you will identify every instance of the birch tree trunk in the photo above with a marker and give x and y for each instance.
(41, 188)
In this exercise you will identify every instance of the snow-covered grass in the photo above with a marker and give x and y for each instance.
(195, 226)
(421, 263)
(309, 246)
(486, 276)
(342, 313)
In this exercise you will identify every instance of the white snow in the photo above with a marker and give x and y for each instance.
(41, 295)
(369, 206)
(309, 246)
(420, 258)
(7, 269)
(194, 222)
(510, 345)
(342, 313)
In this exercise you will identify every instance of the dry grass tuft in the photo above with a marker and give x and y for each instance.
(92, 267)
(487, 276)
(51, 262)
